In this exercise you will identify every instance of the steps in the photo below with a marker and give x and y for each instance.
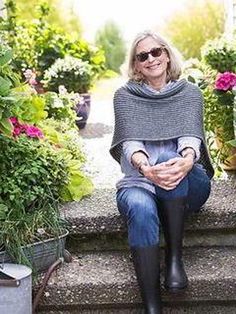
(101, 278)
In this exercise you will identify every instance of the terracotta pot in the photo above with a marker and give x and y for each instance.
(83, 110)
(230, 161)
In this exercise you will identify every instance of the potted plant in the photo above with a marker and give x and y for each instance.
(31, 176)
(77, 76)
(219, 68)
(39, 169)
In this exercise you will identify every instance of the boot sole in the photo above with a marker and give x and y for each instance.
(176, 290)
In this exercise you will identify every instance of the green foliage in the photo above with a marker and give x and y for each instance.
(8, 80)
(31, 176)
(89, 53)
(218, 115)
(60, 15)
(109, 38)
(61, 107)
(76, 75)
(191, 28)
(68, 145)
(220, 54)
(37, 43)
(30, 107)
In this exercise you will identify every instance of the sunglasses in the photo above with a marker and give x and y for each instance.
(154, 52)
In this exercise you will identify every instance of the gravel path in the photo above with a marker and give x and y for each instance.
(97, 137)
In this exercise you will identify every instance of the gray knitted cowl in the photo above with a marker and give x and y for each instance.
(143, 115)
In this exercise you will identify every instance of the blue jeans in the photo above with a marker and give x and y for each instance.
(139, 207)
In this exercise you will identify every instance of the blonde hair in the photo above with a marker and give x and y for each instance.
(174, 66)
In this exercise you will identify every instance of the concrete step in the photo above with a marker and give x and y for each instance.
(207, 309)
(96, 223)
(106, 283)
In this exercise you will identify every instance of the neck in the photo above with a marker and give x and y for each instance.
(158, 83)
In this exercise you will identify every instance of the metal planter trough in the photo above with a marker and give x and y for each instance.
(41, 254)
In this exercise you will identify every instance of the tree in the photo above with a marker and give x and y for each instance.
(61, 15)
(109, 38)
(191, 28)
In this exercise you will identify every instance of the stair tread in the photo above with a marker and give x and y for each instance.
(98, 213)
(108, 278)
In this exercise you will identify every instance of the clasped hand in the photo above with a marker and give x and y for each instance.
(169, 174)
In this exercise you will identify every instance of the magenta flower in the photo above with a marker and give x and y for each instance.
(33, 131)
(14, 120)
(29, 130)
(17, 131)
(225, 81)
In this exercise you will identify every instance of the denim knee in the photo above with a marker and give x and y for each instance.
(143, 223)
(141, 214)
(165, 156)
(181, 190)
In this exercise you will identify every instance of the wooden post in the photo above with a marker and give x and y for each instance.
(230, 17)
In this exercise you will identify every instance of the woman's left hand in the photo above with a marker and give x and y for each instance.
(171, 173)
(177, 168)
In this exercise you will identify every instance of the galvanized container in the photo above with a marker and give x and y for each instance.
(41, 254)
(15, 289)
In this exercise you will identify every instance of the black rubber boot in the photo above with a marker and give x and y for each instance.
(172, 214)
(147, 267)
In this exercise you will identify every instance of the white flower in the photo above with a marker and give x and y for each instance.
(62, 90)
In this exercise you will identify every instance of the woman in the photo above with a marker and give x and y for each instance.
(159, 142)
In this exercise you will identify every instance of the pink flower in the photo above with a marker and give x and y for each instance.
(225, 81)
(30, 77)
(33, 131)
(14, 120)
(17, 131)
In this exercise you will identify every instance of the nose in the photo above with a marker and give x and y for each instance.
(150, 58)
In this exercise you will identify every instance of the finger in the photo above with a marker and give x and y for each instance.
(173, 160)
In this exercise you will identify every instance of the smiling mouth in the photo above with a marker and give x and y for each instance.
(154, 66)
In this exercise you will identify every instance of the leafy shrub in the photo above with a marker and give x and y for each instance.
(8, 80)
(61, 106)
(68, 145)
(220, 54)
(31, 176)
(37, 43)
(76, 75)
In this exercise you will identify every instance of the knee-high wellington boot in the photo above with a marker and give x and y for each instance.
(147, 267)
(172, 214)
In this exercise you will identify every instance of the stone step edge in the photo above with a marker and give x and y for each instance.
(89, 277)
(119, 240)
(98, 213)
(205, 307)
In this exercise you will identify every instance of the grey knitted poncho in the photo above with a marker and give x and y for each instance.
(142, 115)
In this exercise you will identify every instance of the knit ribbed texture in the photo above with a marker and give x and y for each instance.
(143, 115)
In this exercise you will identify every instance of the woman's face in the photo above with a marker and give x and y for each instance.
(154, 67)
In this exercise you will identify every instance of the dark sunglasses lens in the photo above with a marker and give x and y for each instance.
(156, 52)
(143, 56)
